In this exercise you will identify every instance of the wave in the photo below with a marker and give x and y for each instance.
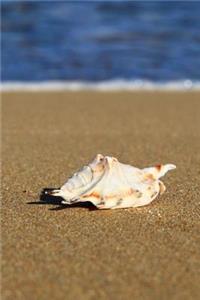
(109, 85)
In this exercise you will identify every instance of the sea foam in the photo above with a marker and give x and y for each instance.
(109, 85)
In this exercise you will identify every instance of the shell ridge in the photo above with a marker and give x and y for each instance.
(93, 185)
(94, 190)
(76, 178)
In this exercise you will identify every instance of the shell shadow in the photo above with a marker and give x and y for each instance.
(46, 199)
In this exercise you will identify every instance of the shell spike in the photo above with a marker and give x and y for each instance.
(159, 170)
(163, 169)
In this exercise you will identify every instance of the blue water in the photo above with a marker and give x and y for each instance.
(94, 41)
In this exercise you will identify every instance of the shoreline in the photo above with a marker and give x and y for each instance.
(104, 86)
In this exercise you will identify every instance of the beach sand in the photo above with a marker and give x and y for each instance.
(55, 252)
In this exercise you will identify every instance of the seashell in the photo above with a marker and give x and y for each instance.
(107, 183)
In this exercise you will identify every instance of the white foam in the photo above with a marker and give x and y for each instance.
(110, 85)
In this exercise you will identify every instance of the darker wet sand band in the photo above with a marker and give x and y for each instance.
(56, 252)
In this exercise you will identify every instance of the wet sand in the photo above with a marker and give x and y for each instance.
(55, 252)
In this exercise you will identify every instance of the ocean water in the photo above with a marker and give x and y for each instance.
(126, 42)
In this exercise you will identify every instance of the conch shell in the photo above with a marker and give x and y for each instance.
(107, 183)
